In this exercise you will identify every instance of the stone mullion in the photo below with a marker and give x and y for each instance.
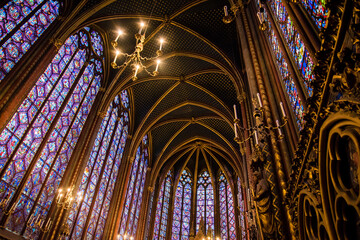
(302, 24)
(182, 207)
(217, 224)
(170, 213)
(132, 195)
(36, 157)
(70, 176)
(57, 155)
(140, 230)
(90, 174)
(236, 209)
(153, 213)
(26, 72)
(289, 58)
(19, 25)
(91, 207)
(120, 190)
(162, 208)
(112, 167)
(275, 150)
(193, 196)
(6, 165)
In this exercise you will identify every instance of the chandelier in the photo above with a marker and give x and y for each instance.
(135, 60)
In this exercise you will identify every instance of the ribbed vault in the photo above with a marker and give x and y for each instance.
(188, 108)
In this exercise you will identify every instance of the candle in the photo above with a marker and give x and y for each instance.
(256, 138)
(235, 129)
(137, 69)
(235, 112)
(278, 126)
(157, 65)
(226, 11)
(259, 99)
(116, 55)
(141, 27)
(282, 109)
(119, 34)
(161, 43)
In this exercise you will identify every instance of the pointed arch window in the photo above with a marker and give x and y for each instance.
(205, 201)
(98, 180)
(182, 207)
(317, 11)
(296, 46)
(22, 22)
(130, 214)
(162, 208)
(242, 210)
(227, 213)
(37, 143)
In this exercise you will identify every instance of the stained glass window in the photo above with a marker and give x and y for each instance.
(205, 201)
(37, 143)
(182, 206)
(162, 208)
(296, 45)
(316, 9)
(100, 174)
(22, 22)
(131, 211)
(242, 210)
(287, 78)
(227, 213)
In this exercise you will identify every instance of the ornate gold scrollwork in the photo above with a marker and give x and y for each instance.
(339, 164)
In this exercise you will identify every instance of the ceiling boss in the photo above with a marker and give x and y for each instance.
(136, 61)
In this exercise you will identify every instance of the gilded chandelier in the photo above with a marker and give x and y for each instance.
(135, 60)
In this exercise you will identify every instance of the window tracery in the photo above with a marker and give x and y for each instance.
(37, 143)
(162, 208)
(131, 211)
(227, 213)
(205, 201)
(98, 180)
(182, 207)
(22, 22)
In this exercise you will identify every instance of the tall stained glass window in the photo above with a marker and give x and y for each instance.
(101, 171)
(288, 80)
(162, 208)
(182, 206)
(227, 213)
(37, 143)
(22, 22)
(205, 201)
(296, 45)
(131, 211)
(316, 9)
(242, 210)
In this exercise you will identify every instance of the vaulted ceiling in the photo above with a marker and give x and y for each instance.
(189, 104)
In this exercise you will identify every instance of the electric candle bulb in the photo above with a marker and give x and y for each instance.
(235, 112)
(119, 34)
(141, 27)
(161, 43)
(157, 65)
(282, 109)
(278, 126)
(256, 138)
(259, 99)
(235, 129)
(137, 69)
(226, 11)
(116, 55)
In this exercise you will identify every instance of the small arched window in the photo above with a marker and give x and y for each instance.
(162, 208)
(182, 207)
(227, 213)
(205, 201)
